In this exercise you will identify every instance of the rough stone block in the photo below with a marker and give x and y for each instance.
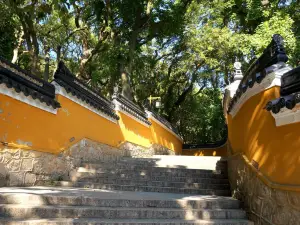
(16, 178)
(294, 200)
(27, 164)
(14, 165)
(17, 154)
(29, 179)
(274, 205)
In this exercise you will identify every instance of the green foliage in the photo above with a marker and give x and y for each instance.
(201, 118)
(181, 50)
(8, 31)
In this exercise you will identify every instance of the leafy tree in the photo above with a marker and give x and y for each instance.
(8, 32)
(180, 50)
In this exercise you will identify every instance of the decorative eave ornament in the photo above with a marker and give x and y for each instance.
(76, 88)
(286, 109)
(272, 61)
(23, 86)
(129, 108)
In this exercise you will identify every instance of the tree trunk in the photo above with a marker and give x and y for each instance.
(58, 54)
(86, 54)
(47, 62)
(16, 50)
(34, 44)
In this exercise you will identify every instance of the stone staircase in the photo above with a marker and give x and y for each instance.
(166, 190)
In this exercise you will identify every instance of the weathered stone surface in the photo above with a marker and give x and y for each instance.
(294, 200)
(161, 150)
(29, 179)
(136, 151)
(16, 178)
(265, 205)
(14, 165)
(27, 164)
(3, 175)
(49, 167)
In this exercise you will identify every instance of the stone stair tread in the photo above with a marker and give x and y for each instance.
(146, 170)
(189, 162)
(172, 183)
(103, 194)
(141, 167)
(189, 180)
(87, 184)
(29, 206)
(220, 187)
(153, 175)
(61, 211)
(97, 221)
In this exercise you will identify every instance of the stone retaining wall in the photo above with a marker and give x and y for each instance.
(20, 167)
(136, 151)
(265, 205)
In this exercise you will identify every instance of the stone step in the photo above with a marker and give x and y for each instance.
(150, 170)
(190, 162)
(127, 166)
(146, 175)
(203, 162)
(158, 183)
(156, 179)
(96, 221)
(31, 212)
(199, 203)
(92, 185)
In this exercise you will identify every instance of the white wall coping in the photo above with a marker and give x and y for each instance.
(61, 91)
(271, 80)
(150, 115)
(119, 109)
(26, 99)
(287, 116)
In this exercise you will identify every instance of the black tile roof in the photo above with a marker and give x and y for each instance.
(131, 108)
(289, 91)
(76, 87)
(30, 85)
(274, 53)
(165, 122)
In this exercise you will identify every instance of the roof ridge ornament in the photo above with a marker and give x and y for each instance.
(238, 75)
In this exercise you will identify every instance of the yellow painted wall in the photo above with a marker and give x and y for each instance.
(134, 131)
(164, 137)
(27, 127)
(23, 124)
(277, 149)
(220, 151)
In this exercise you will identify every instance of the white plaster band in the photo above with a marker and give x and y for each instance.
(271, 80)
(164, 126)
(119, 108)
(287, 116)
(26, 99)
(61, 91)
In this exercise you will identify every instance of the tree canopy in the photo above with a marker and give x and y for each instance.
(180, 50)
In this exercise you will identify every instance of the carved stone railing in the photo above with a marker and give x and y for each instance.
(75, 87)
(272, 59)
(21, 81)
(130, 108)
(163, 122)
